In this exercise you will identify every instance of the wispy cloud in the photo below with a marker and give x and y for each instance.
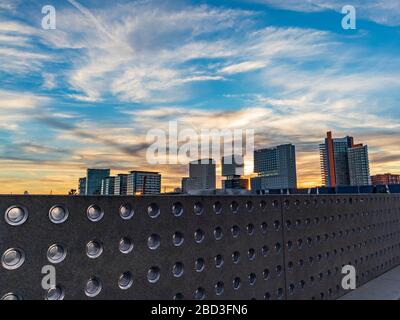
(140, 56)
(17, 107)
(8, 5)
(243, 67)
(87, 93)
(380, 11)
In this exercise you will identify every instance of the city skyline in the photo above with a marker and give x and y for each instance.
(344, 163)
(85, 95)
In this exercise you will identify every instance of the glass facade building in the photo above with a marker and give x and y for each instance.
(107, 186)
(276, 168)
(94, 178)
(359, 166)
(143, 182)
(121, 185)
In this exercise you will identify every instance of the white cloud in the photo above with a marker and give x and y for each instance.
(10, 26)
(144, 56)
(13, 40)
(139, 58)
(243, 67)
(18, 55)
(18, 100)
(139, 52)
(17, 108)
(143, 53)
(8, 5)
(49, 81)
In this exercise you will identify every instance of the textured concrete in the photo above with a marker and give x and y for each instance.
(385, 287)
(290, 247)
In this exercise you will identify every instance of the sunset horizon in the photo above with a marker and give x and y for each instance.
(85, 93)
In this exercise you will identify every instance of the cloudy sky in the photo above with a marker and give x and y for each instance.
(86, 94)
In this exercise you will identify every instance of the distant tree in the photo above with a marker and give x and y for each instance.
(72, 192)
(26, 193)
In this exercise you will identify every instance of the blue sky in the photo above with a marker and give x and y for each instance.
(86, 94)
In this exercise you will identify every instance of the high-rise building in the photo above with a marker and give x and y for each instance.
(343, 163)
(82, 186)
(121, 185)
(94, 178)
(232, 170)
(232, 166)
(202, 176)
(276, 168)
(386, 179)
(359, 166)
(107, 186)
(143, 182)
(334, 161)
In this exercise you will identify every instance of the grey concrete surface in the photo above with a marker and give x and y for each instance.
(385, 287)
(288, 247)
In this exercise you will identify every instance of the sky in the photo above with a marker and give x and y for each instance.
(87, 93)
